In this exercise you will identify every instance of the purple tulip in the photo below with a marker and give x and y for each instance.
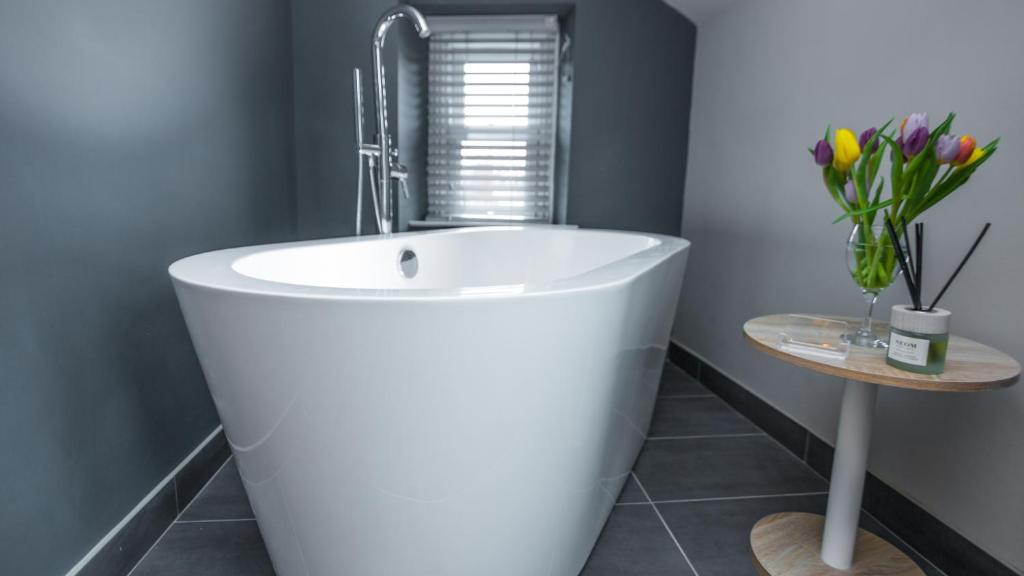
(911, 123)
(863, 141)
(850, 192)
(822, 153)
(899, 146)
(947, 147)
(916, 142)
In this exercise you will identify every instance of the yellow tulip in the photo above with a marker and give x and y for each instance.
(976, 155)
(847, 150)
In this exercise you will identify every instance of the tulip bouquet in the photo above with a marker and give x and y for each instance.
(925, 166)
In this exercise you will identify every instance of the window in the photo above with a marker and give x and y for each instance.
(491, 107)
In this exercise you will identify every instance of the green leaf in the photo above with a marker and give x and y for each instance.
(915, 164)
(876, 161)
(869, 210)
(944, 127)
(834, 188)
(858, 186)
(874, 202)
(896, 171)
(878, 191)
(838, 199)
(923, 182)
(958, 178)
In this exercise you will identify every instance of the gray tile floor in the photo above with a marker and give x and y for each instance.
(705, 476)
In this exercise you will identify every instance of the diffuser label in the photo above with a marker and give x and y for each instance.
(908, 350)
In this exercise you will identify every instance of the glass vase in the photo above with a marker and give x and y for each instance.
(871, 260)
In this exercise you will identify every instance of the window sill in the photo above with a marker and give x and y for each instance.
(438, 224)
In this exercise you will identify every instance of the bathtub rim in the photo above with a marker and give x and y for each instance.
(215, 271)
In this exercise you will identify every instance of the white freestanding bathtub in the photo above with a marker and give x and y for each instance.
(476, 419)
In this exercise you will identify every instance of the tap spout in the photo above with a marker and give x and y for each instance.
(414, 16)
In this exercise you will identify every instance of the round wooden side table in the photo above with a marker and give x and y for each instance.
(799, 544)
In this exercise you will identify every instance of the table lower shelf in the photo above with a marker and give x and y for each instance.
(789, 543)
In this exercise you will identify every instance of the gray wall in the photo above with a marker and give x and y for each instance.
(769, 77)
(630, 111)
(131, 134)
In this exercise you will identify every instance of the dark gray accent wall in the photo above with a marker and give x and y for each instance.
(632, 71)
(331, 37)
(411, 108)
(135, 133)
(631, 115)
(131, 134)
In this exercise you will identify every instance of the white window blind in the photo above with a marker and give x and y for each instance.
(492, 95)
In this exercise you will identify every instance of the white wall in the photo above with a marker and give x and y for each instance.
(769, 77)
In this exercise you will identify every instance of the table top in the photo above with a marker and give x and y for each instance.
(970, 366)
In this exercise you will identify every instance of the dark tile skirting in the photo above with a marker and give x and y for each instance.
(137, 536)
(947, 549)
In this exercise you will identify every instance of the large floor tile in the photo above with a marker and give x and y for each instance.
(223, 498)
(716, 534)
(697, 416)
(722, 467)
(676, 382)
(232, 548)
(635, 542)
(631, 493)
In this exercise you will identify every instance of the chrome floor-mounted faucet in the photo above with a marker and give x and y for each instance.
(381, 157)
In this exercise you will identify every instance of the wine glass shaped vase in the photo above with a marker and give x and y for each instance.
(871, 259)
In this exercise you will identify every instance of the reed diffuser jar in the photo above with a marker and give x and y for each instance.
(871, 260)
(918, 339)
(919, 336)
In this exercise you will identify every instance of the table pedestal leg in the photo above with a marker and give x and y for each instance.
(848, 469)
(800, 544)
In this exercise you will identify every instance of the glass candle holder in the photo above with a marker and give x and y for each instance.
(918, 339)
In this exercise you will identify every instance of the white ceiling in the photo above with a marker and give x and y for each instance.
(700, 11)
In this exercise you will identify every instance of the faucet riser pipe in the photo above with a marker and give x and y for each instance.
(384, 167)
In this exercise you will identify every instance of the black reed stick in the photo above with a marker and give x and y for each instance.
(900, 258)
(906, 238)
(919, 249)
(961, 266)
